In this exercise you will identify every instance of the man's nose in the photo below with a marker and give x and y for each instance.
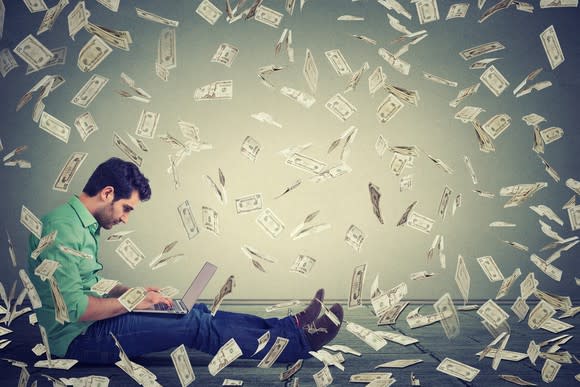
(125, 218)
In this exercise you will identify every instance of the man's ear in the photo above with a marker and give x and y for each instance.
(107, 194)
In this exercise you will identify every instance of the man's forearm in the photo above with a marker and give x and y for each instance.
(102, 308)
(118, 291)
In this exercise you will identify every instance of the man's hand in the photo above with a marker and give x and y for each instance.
(153, 297)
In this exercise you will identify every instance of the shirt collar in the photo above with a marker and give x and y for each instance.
(86, 218)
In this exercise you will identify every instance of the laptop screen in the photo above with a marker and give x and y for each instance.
(198, 284)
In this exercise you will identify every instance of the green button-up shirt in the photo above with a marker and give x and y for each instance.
(76, 229)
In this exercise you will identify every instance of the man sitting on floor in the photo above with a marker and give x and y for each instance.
(115, 189)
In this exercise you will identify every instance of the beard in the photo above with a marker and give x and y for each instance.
(105, 218)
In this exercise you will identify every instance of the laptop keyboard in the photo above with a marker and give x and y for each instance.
(162, 306)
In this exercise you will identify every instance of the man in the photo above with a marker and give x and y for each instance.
(112, 192)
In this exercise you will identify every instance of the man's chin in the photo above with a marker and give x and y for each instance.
(108, 226)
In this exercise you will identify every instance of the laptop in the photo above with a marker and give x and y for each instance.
(183, 305)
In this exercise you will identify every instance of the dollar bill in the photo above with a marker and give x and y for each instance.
(444, 306)
(60, 307)
(306, 163)
(528, 286)
(375, 198)
(340, 107)
(226, 289)
(399, 363)
(262, 342)
(209, 12)
(463, 94)
(266, 118)
(302, 98)
(468, 114)
(540, 314)
(54, 126)
(270, 223)
(462, 278)
(93, 53)
(292, 370)
(494, 80)
(301, 232)
(354, 237)
(168, 291)
(283, 305)
(86, 125)
(310, 71)
(550, 370)
(395, 62)
(147, 125)
(420, 222)
(31, 222)
(356, 77)
(250, 148)
(482, 63)
(89, 91)
(50, 16)
(551, 134)
(458, 369)
(497, 124)
(303, 265)
(500, 6)
(556, 326)
(229, 352)
(369, 337)
(188, 220)
(132, 297)
(68, 171)
(274, 352)
(166, 52)
(33, 52)
(104, 286)
(427, 11)
(370, 377)
(124, 147)
(268, 16)
(30, 289)
(112, 5)
(44, 337)
(77, 19)
(7, 62)
(438, 79)
(130, 253)
(458, 10)
(76, 253)
(490, 268)
(323, 377)
(155, 18)
(59, 58)
(114, 38)
(182, 365)
(552, 47)
(548, 269)
(342, 348)
(388, 108)
(225, 54)
(356, 286)
(249, 203)
(46, 269)
(381, 145)
(482, 49)
(43, 243)
(338, 62)
(508, 283)
(376, 80)
(232, 382)
(35, 5)
(492, 313)
(210, 220)
(444, 202)
(215, 91)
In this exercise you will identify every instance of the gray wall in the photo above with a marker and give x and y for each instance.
(391, 252)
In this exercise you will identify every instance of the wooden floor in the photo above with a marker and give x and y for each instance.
(433, 346)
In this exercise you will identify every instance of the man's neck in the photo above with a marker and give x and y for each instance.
(89, 202)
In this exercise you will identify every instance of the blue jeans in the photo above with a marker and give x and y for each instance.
(140, 334)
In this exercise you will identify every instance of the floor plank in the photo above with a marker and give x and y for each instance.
(433, 346)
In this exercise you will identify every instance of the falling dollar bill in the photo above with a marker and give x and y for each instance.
(445, 307)
(340, 107)
(130, 253)
(552, 47)
(124, 147)
(356, 286)
(229, 352)
(457, 369)
(226, 289)
(155, 18)
(68, 171)
(303, 265)
(33, 52)
(182, 365)
(188, 220)
(274, 352)
(31, 222)
(43, 243)
(270, 223)
(132, 297)
(208, 11)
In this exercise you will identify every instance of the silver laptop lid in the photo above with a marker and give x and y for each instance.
(198, 284)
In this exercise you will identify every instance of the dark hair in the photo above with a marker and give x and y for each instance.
(122, 175)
